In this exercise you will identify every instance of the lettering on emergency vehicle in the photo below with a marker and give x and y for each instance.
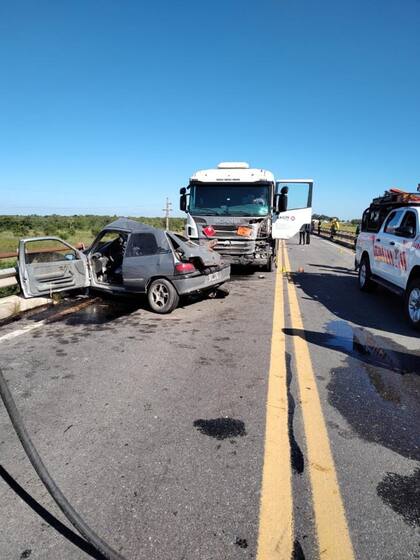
(396, 258)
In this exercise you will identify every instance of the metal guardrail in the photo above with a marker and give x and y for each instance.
(344, 238)
(7, 277)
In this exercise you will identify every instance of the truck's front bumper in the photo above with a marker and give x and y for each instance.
(246, 260)
(187, 285)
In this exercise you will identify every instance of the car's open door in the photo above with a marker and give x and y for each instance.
(49, 264)
(293, 207)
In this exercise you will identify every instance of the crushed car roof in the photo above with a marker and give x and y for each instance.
(125, 224)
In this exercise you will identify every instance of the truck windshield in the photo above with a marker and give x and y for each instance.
(227, 199)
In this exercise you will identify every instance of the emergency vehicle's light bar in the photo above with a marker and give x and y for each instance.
(233, 165)
(396, 197)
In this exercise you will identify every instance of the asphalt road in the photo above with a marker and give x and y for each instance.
(155, 427)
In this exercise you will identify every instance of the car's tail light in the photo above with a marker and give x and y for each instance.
(185, 268)
(209, 231)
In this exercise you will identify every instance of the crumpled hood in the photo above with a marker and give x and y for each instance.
(191, 250)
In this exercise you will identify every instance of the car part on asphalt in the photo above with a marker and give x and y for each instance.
(59, 498)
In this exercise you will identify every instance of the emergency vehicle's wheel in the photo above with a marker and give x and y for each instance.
(162, 296)
(412, 303)
(365, 275)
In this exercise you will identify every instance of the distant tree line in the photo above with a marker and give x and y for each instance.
(67, 226)
(322, 217)
(325, 218)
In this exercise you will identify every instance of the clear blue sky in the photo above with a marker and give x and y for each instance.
(109, 106)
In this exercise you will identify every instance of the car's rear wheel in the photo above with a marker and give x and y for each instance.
(412, 303)
(162, 296)
(366, 283)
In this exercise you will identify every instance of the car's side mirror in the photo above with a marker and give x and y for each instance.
(405, 231)
(183, 199)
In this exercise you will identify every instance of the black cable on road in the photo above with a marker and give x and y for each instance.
(67, 533)
(46, 479)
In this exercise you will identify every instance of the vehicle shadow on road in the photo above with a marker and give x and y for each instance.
(339, 269)
(340, 294)
(49, 518)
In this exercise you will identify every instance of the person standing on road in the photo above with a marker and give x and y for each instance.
(302, 235)
(319, 227)
(308, 234)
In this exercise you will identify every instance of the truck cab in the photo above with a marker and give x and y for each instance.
(244, 210)
(388, 248)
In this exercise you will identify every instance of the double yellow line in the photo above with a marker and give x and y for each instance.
(276, 530)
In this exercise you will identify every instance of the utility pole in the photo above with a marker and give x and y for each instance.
(167, 210)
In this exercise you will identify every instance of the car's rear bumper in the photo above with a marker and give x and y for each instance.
(187, 285)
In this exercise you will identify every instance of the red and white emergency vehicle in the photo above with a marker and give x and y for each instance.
(388, 248)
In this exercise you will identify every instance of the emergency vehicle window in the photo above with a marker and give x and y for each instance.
(393, 221)
(373, 220)
(410, 221)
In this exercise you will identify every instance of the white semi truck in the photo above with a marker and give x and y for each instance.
(244, 211)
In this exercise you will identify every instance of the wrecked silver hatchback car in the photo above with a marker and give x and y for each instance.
(126, 256)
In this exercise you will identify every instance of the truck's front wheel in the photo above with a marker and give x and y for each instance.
(412, 303)
(270, 264)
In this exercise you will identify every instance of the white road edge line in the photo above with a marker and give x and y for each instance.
(24, 330)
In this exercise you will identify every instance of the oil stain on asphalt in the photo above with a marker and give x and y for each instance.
(402, 494)
(101, 312)
(221, 428)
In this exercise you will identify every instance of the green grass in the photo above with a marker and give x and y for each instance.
(349, 228)
(10, 242)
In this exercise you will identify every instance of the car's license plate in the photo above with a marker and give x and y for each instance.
(214, 276)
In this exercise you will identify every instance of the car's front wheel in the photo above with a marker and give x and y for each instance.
(162, 296)
(365, 275)
(412, 303)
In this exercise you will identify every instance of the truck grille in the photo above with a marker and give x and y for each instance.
(235, 247)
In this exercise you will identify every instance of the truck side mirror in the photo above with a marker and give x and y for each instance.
(276, 203)
(283, 199)
(183, 199)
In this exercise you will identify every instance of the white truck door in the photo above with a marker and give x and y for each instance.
(287, 222)
(48, 265)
